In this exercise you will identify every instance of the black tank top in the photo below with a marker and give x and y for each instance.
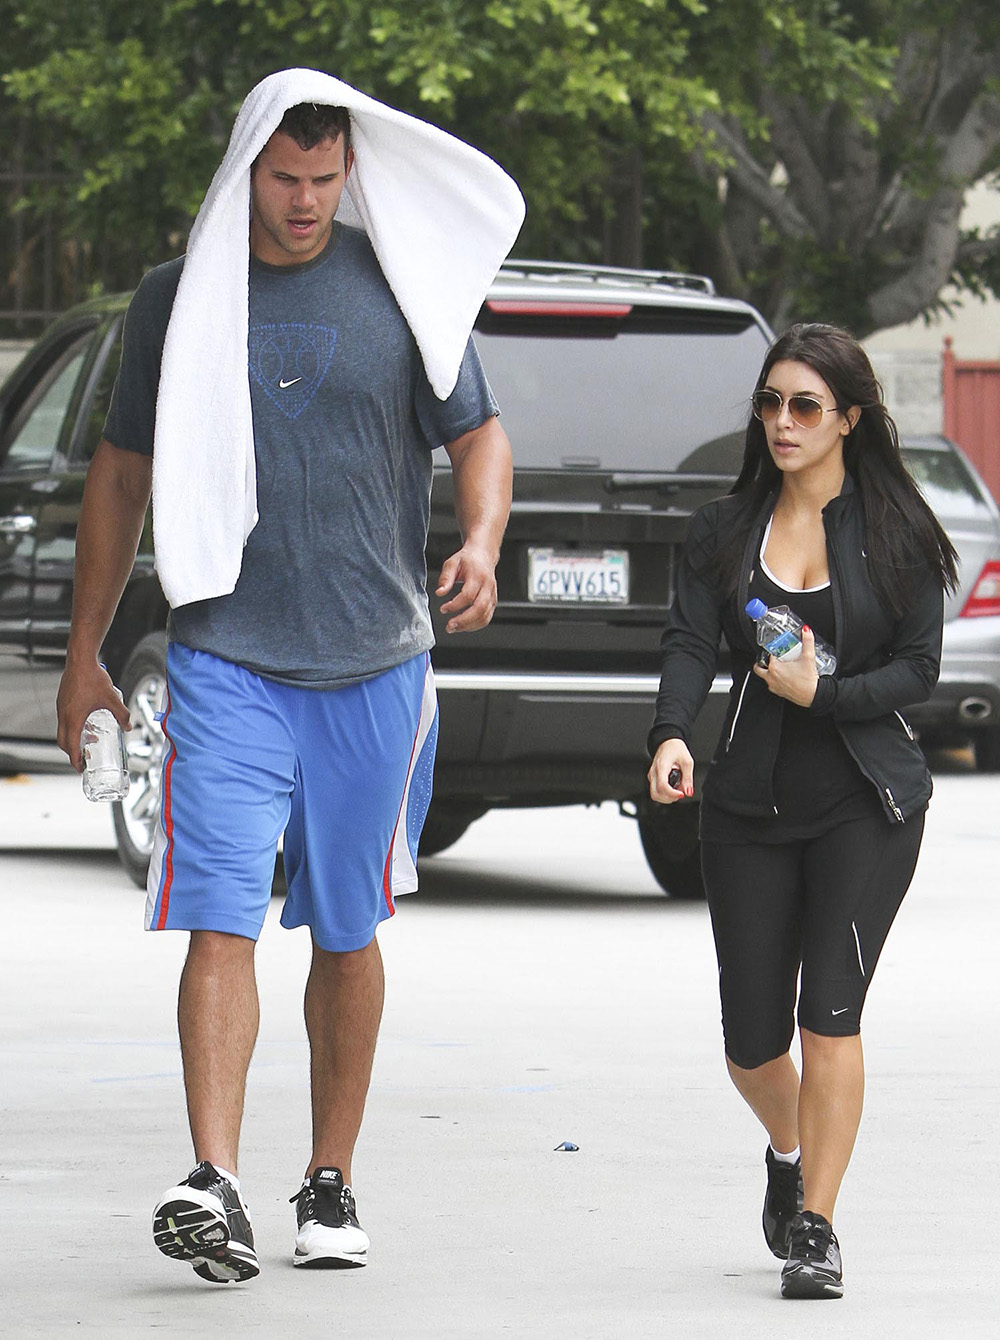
(816, 783)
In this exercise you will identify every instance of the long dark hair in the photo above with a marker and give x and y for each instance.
(902, 535)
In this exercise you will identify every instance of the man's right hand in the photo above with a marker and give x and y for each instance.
(83, 689)
(672, 757)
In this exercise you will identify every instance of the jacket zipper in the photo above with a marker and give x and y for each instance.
(739, 708)
(838, 619)
(904, 723)
(897, 812)
(835, 590)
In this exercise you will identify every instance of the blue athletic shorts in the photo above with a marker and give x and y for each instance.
(344, 773)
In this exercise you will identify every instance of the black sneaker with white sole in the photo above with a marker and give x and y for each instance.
(782, 1202)
(813, 1268)
(204, 1220)
(329, 1236)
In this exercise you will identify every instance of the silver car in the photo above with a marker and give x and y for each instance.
(965, 706)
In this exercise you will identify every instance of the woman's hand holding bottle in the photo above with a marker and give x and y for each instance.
(796, 679)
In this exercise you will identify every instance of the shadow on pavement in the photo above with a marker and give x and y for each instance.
(103, 856)
(467, 884)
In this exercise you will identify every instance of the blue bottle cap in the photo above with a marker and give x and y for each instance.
(755, 608)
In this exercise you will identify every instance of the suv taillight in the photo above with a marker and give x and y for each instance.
(985, 597)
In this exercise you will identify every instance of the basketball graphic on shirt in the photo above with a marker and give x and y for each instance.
(289, 361)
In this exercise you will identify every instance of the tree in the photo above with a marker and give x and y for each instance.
(552, 88)
(845, 204)
(810, 155)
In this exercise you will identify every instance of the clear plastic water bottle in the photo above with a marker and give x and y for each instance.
(779, 632)
(105, 768)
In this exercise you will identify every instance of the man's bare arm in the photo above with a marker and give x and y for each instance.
(483, 471)
(115, 499)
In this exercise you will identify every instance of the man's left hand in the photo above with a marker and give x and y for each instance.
(472, 607)
(794, 680)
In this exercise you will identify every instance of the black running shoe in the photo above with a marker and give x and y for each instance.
(813, 1268)
(782, 1202)
(329, 1236)
(204, 1220)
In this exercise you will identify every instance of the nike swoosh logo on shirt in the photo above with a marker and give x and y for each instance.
(282, 385)
(843, 1011)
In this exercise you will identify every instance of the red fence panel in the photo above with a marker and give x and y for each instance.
(971, 393)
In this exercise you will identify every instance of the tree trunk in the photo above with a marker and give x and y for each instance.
(623, 238)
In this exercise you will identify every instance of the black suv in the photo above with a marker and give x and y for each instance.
(625, 396)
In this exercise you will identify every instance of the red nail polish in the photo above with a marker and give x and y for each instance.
(806, 628)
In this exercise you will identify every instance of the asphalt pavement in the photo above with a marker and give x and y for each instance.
(540, 990)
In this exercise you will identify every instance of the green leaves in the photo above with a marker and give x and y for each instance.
(795, 149)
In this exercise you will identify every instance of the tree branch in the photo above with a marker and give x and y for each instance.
(806, 181)
(907, 296)
(858, 169)
(754, 181)
(978, 250)
(956, 116)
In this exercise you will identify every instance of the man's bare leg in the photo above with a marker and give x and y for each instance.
(217, 1014)
(343, 1009)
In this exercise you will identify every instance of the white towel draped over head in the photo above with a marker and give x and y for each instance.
(441, 217)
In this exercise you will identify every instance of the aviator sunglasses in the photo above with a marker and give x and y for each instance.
(806, 410)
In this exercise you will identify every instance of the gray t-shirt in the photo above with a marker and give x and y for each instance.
(332, 588)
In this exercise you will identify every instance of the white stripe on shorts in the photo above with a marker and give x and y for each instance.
(404, 871)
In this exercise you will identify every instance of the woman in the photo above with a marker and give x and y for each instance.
(814, 805)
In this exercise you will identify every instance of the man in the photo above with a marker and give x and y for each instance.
(302, 702)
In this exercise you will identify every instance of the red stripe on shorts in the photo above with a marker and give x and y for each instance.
(168, 828)
(387, 872)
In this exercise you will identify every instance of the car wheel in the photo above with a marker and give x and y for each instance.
(986, 747)
(669, 837)
(143, 682)
(444, 825)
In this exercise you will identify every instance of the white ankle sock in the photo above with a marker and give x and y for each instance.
(793, 1157)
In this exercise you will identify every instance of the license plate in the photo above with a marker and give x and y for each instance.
(571, 578)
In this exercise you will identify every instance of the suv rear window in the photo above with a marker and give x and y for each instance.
(943, 479)
(648, 390)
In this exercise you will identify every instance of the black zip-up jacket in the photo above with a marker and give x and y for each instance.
(883, 665)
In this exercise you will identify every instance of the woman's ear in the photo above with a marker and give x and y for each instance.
(852, 416)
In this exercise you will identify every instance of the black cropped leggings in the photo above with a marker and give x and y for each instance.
(825, 905)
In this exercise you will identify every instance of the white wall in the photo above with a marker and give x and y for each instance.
(11, 353)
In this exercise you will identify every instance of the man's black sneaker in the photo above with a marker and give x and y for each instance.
(205, 1221)
(329, 1236)
(813, 1268)
(782, 1201)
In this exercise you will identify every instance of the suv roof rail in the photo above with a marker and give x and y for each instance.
(607, 274)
